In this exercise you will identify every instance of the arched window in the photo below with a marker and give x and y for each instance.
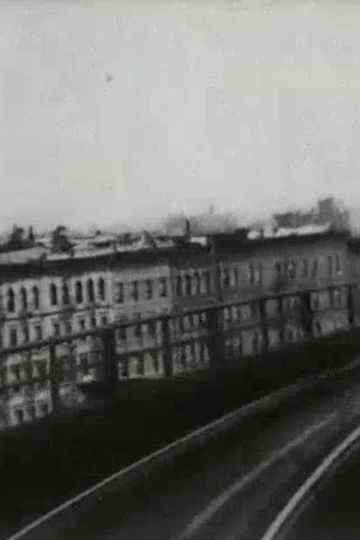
(23, 298)
(65, 294)
(53, 295)
(90, 290)
(101, 289)
(79, 292)
(10, 301)
(36, 297)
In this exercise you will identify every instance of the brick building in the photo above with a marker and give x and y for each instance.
(59, 295)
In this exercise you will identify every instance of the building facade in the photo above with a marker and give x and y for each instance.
(62, 295)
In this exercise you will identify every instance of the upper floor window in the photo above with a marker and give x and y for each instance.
(148, 289)
(316, 300)
(163, 287)
(23, 298)
(278, 270)
(318, 327)
(207, 281)
(26, 334)
(337, 264)
(36, 297)
(56, 329)
(11, 301)
(155, 362)
(254, 310)
(337, 296)
(235, 277)
(305, 268)
(227, 315)
(152, 328)
(90, 290)
(38, 332)
(137, 330)
(258, 275)
(13, 337)
(135, 290)
(292, 270)
(140, 366)
(315, 268)
(82, 325)
(65, 294)
(68, 327)
(188, 285)
(53, 295)
(122, 333)
(101, 289)
(178, 286)
(225, 278)
(251, 274)
(84, 363)
(19, 416)
(119, 293)
(104, 320)
(16, 371)
(330, 266)
(79, 292)
(197, 284)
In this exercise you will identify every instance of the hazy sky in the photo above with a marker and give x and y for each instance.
(125, 110)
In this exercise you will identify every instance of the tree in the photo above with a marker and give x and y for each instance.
(16, 238)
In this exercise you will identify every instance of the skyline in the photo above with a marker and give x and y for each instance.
(157, 108)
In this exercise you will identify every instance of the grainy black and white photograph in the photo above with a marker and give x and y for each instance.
(179, 270)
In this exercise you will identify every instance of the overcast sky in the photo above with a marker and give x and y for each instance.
(123, 111)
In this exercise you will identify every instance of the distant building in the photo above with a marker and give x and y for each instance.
(328, 211)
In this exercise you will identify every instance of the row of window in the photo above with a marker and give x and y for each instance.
(140, 365)
(23, 371)
(193, 284)
(189, 355)
(331, 298)
(230, 277)
(237, 314)
(131, 291)
(57, 295)
(234, 314)
(306, 268)
(21, 334)
(187, 284)
(19, 414)
(61, 295)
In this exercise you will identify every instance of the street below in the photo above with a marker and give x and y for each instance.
(162, 505)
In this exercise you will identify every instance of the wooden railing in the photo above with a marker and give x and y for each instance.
(157, 347)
